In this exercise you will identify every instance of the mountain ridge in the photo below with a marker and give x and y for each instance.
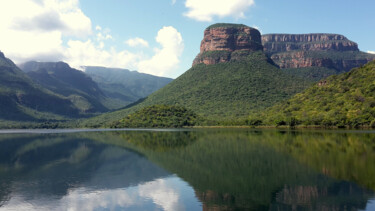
(60, 78)
(23, 99)
(123, 85)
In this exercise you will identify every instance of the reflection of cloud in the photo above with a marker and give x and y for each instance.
(108, 199)
(161, 194)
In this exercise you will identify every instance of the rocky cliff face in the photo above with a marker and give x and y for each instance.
(314, 50)
(308, 42)
(223, 42)
(231, 42)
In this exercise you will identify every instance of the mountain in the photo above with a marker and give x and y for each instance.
(226, 42)
(342, 100)
(60, 78)
(23, 99)
(226, 89)
(125, 86)
(314, 55)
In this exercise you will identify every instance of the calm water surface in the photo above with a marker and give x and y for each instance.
(187, 170)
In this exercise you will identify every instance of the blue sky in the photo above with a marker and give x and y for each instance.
(162, 37)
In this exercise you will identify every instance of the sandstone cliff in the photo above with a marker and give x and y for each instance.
(224, 42)
(314, 50)
(231, 42)
(308, 42)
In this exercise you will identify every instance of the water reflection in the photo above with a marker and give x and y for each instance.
(188, 170)
(161, 194)
(73, 172)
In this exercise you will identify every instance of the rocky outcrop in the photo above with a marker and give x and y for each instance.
(230, 42)
(274, 43)
(221, 41)
(314, 50)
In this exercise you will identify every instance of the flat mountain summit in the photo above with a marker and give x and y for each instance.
(239, 72)
(226, 42)
(221, 88)
(333, 51)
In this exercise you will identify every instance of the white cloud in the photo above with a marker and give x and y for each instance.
(173, 2)
(206, 10)
(34, 29)
(47, 30)
(85, 53)
(167, 58)
(257, 27)
(137, 42)
(372, 52)
(100, 36)
(163, 62)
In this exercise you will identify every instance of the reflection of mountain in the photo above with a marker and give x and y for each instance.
(52, 164)
(347, 196)
(228, 169)
(254, 170)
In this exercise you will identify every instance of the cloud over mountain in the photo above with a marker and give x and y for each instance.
(206, 10)
(34, 29)
(58, 30)
(167, 58)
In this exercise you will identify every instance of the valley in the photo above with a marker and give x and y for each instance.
(240, 77)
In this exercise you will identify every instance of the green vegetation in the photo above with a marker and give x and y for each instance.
(159, 116)
(21, 99)
(224, 92)
(231, 169)
(60, 78)
(313, 74)
(247, 169)
(226, 25)
(341, 100)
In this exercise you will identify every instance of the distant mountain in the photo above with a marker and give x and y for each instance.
(342, 100)
(125, 86)
(60, 78)
(230, 78)
(23, 99)
(314, 56)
